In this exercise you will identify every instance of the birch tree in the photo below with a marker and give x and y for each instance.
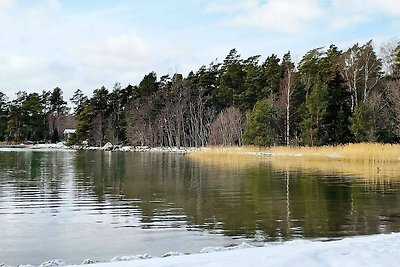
(286, 93)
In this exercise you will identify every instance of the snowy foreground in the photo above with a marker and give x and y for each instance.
(375, 250)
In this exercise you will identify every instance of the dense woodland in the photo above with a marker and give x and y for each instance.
(329, 97)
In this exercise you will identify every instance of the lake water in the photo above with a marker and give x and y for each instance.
(75, 205)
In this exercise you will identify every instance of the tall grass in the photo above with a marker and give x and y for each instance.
(365, 152)
(364, 160)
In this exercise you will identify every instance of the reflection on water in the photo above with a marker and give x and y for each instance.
(85, 204)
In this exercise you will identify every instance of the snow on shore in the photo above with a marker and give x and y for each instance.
(374, 250)
(107, 147)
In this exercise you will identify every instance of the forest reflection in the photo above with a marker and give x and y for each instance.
(253, 197)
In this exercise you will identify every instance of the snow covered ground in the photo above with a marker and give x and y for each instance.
(375, 250)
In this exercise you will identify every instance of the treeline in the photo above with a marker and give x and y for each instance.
(329, 97)
(34, 117)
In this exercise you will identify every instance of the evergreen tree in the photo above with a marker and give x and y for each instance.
(362, 124)
(271, 73)
(91, 121)
(261, 125)
(338, 112)
(56, 113)
(313, 130)
(78, 99)
(231, 82)
(26, 119)
(253, 84)
(396, 67)
(309, 68)
(3, 116)
(148, 85)
(16, 125)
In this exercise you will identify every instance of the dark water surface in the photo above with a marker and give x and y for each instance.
(75, 205)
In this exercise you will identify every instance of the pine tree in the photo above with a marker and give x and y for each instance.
(313, 130)
(338, 112)
(396, 67)
(3, 116)
(362, 125)
(261, 125)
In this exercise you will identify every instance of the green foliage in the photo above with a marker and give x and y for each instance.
(338, 112)
(362, 125)
(397, 62)
(57, 103)
(26, 118)
(312, 126)
(3, 116)
(78, 99)
(148, 85)
(309, 68)
(231, 82)
(261, 125)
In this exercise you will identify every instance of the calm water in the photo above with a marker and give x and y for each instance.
(85, 204)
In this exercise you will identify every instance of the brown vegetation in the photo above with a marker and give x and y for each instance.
(372, 161)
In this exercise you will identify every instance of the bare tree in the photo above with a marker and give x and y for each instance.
(393, 94)
(387, 55)
(138, 123)
(351, 69)
(200, 117)
(285, 96)
(226, 129)
(362, 71)
(372, 67)
(97, 130)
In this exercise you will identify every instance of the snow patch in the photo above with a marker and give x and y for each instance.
(172, 253)
(88, 261)
(108, 146)
(366, 251)
(215, 249)
(53, 263)
(60, 145)
(131, 258)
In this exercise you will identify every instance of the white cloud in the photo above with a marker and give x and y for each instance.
(367, 7)
(281, 16)
(7, 4)
(228, 6)
(46, 11)
(348, 13)
(343, 22)
(127, 50)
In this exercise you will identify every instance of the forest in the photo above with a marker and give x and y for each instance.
(329, 97)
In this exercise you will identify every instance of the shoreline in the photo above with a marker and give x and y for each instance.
(370, 250)
(61, 146)
(361, 152)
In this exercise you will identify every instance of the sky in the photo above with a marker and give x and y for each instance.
(90, 43)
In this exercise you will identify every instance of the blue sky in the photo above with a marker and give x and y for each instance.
(86, 43)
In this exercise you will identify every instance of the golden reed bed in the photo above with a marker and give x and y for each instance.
(364, 160)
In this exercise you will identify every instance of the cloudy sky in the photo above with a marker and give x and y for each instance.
(89, 43)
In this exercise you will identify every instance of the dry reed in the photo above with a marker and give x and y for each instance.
(371, 161)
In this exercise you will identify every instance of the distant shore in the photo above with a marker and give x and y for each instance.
(361, 152)
(106, 147)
